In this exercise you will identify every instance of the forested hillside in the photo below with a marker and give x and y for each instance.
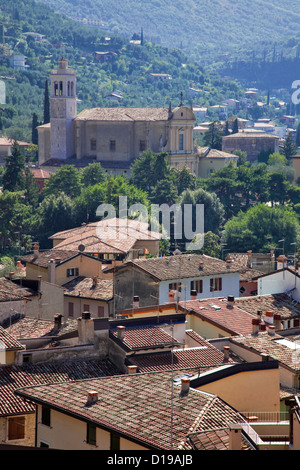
(207, 27)
(129, 72)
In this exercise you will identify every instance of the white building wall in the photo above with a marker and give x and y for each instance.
(230, 286)
(279, 283)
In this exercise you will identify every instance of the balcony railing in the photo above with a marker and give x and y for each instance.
(266, 416)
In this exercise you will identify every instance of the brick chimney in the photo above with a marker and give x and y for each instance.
(277, 321)
(269, 317)
(132, 369)
(255, 325)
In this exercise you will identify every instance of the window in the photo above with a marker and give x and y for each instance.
(100, 312)
(114, 442)
(86, 307)
(197, 286)
(70, 309)
(180, 141)
(215, 284)
(46, 415)
(16, 428)
(175, 286)
(142, 145)
(93, 145)
(72, 272)
(112, 145)
(91, 434)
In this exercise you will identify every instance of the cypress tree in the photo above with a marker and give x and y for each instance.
(34, 132)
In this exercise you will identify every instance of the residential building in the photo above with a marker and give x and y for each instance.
(284, 280)
(17, 416)
(110, 240)
(251, 143)
(153, 279)
(102, 415)
(6, 145)
(9, 347)
(211, 160)
(261, 262)
(60, 266)
(40, 176)
(85, 294)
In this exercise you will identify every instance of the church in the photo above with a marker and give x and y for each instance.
(116, 136)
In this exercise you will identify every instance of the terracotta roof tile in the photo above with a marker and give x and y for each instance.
(8, 341)
(124, 114)
(90, 288)
(277, 303)
(11, 291)
(216, 310)
(13, 377)
(143, 415)
(145, 337)
(182, 266)
(45, 256)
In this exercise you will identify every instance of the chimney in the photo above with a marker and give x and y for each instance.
(277, 321)
(136, 301)
(193, 295)
(226, 353)
(281, 262)
(230, 301)
(92, 397)
(249, 262)
(51, 271)
(86, 329)
(36, 250)
(255, 325)
(94, 281)
(235, 436)
(228, 261)
(269, 317)
(132, 369)
(171, 296)
(271, 330)
(57, 320)
(121, 332)
(185, 386)
(262, 326)
(201, 266)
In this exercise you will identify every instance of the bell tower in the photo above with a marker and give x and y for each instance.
(63, 110)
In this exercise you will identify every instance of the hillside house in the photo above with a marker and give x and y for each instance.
(251, 143)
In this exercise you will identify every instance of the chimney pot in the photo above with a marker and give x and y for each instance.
(92, 397)
(226, 353)
(271, 330)
(171, 296)
(201, 265)
(185, 385)
(86, 315)
(121, 332)
(136, 301)
(193, 295)
(132, 369)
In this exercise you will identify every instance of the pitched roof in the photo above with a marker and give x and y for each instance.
(11, 291)
(280, 304)
(44, 257)
(143, 416)
(192, 359)
(278, 347)
(8, 341)
(13, 377)
(230, 318)
(144, 337)
(89, 288)
(181, 266)
(124, 114)
(24, 328)
(215, 439)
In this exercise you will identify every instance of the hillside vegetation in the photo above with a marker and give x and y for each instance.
(129, 72)
(207, 27)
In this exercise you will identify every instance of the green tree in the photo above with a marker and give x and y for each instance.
(13, 177)
(213, 137)
(66, 180)
(289, 147)
(56, 213)
(243, 232)
(235, 126)
(93, 174)
(34, 132)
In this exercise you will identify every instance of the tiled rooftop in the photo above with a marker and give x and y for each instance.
(8, 341)
(45, 256)
(217, 439)
(101, 289)
(124, 114)
(30, 328)
(157, 415)
(145, 337)
(13, 377)
(193, 359)
(11, 291)
(216, 310)
(182, 266)
(278, 303)
(276, 347)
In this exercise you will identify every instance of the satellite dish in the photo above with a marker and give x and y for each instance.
(81, 248)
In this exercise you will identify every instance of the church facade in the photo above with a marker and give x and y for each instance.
(113, 136)
(116, 136)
